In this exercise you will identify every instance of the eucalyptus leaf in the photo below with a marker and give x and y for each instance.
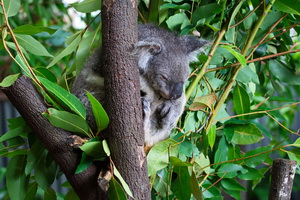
(30, 44)
(290, 6)
(123, 183)
(158, 156)
(236, 54)
(232, 184)
(115, 191)
(64, 96)
(241, 101)
(29, 29)
(87, 6)
(93, 148)
(68, 50)
(67, 121)
(100, 115)
(181, 186)
(16, 180)
(9, 80)
(12, 7)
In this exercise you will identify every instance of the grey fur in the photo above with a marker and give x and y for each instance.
(163, 61)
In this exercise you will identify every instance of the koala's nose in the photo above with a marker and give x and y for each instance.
(177, 90)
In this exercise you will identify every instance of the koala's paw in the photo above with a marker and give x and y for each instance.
(146, 108)
(167, 115)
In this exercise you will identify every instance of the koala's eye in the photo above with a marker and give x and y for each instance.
(164, 78)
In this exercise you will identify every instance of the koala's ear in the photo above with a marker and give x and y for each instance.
(145, 50)
(193, 44)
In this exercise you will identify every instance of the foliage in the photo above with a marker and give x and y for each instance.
(242, 91)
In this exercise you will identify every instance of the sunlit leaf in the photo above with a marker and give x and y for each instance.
(203, 102)
(123, 183)
(9, 80)
(158, 156)
(236, 54)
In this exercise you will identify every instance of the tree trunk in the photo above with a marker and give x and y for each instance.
(283, 172)
(126, 138)
(30, 105)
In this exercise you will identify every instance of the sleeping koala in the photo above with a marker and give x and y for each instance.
(163, 62)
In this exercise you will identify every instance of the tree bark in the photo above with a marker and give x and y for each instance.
(30, 105)
(283, 172)
(126, 138)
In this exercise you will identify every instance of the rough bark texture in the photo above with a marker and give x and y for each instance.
(123, 94)
(30, 105)
(283, 172)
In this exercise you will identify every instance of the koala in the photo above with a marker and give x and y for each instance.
(163, 63)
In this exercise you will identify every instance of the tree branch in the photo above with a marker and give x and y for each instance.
(126, 138)
(30, 105)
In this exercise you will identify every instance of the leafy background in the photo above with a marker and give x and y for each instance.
(243, 99)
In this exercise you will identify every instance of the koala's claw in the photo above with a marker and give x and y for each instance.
(146, 107)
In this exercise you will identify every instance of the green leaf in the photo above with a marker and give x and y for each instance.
(93, 148)
(229, 170)
(115, 191)
(31, 192)
(123, 183)
(45, 73)
(232, 184)
(294, 155)
(71, 195)
(85, 162)
(16, 180)
(222, 151)
(29, 29)
(84, 48)
(234, 13)
(236, 54)
(195, 189)
(181, 186)
(212, 135)
(184, 6)
(49, 194)
(296, 143)
(290, 6)
(9, 80)
(67, 121)
(100, 115)
(87, 6)
(252, 174)
(205, 11)
(68, 50)
(158, 156)
(32, 45)
(202, 161)
(14, 133)
(241, 101)
(179, 163)
(177, 21)
(12, 7)
(283, 72)
(255, 161)
(64, 96)
(246, 134)
(106, 148)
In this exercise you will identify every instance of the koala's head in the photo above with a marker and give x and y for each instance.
(164, 59)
